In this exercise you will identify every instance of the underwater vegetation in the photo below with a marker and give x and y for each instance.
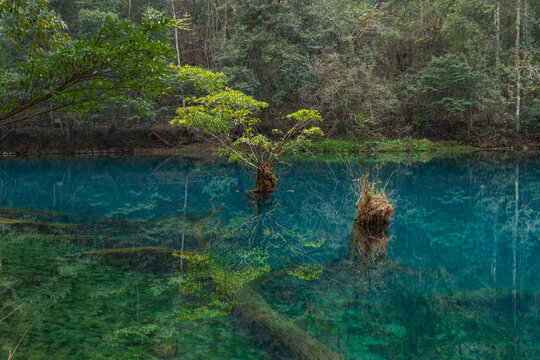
(165, 259)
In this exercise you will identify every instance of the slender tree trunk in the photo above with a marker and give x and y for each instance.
(175, 35)
(216, 21)
(207, 34)
(497, 32)
(225, 20)
(51, 115)
(517, 64)
(69, 129)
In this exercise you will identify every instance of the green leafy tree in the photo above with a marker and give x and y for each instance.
(90, 20)
(122, 62)
(264, 47)
(33, 23)
(223, 113)
(456, 86)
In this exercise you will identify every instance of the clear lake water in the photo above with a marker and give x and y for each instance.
(83, 275)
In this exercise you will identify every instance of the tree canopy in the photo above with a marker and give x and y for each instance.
(121, 61)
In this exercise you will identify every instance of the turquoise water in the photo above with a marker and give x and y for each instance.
(459, 277)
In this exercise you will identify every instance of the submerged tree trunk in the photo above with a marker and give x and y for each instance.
(275, 330)
(514, 240)
(184, 212)
(145, 259)
(494, 256)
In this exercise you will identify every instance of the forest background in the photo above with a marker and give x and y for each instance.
(461, 70)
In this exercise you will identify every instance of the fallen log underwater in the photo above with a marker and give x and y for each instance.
(272, 329)
(151, 259)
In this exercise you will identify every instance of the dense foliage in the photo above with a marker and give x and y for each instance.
(368, 65)
(460, 70)
(120, 63)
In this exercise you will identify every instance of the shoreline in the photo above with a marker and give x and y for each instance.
(327, 148)
(422, 156)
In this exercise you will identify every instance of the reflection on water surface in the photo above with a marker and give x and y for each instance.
(88, 268)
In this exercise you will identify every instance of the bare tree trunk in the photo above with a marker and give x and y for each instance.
(497, 32)
(225, 20)
(469, 123)
(69, 129)
(517, 64)
(175, 35)
(51, 115)
(216, 21)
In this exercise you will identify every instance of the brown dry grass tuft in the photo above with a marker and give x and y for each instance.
(373, 209)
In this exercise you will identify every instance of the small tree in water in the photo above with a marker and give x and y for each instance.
(223, 113)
